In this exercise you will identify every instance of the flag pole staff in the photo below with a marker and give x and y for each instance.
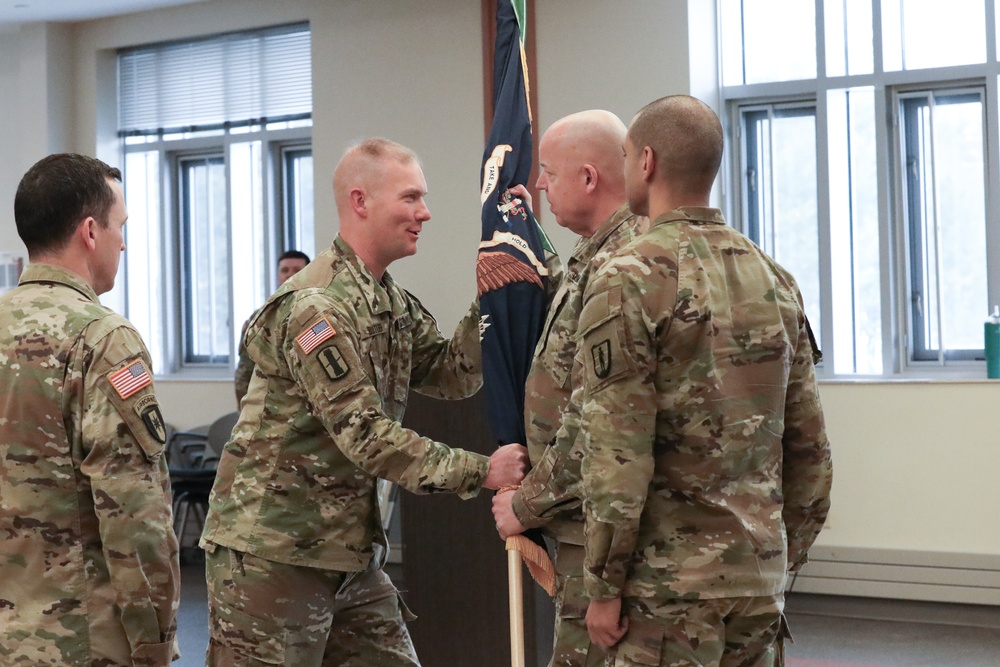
(511, 274)
(514, 595)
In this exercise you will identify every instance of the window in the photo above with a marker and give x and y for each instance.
(941, 137)
(863, 171)
(204, 257)
(780, 187)
(218, 175)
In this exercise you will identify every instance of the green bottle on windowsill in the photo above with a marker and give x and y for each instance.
(991, 333)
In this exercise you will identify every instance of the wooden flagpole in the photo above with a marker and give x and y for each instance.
(514, 594)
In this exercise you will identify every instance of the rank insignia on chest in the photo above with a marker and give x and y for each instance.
(333, 362)
(310, 339)
(130, 379)
(601, 353)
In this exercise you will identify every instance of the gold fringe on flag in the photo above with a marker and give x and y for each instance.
(537, 560)
(535, 556)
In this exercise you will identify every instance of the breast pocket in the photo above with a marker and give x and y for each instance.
(375, 351)
(401, 351)
(558, 342)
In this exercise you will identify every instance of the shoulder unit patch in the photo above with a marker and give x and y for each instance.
(333, 362)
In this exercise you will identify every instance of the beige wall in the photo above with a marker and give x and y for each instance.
(916, 466)
(915, 462)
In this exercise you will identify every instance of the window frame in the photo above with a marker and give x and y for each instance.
(172, 309)
(917, 353)
(893, 260)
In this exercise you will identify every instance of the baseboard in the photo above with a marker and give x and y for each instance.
(903, 575)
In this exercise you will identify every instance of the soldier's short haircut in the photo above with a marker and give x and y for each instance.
(685, 136)
(56, 194)
(363, 160)
(294, 254)
(380, 149)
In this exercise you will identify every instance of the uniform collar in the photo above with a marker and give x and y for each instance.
(698, 215)
(586, 248)
(50, 273)
(376, 292)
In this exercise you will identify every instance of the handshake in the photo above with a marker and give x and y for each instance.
(508, 466)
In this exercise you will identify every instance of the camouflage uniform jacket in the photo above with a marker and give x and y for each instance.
(703, 435)
(244, 366)
(336, 352)
(89, 571)
(547, 494)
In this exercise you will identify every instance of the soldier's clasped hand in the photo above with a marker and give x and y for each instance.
(508, 465)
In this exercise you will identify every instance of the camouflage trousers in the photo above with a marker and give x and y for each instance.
(267, 613)
(571, 646)
(734, 632)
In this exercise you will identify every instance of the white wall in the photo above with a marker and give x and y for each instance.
(35, 87)
(915, 463)
(916, 466)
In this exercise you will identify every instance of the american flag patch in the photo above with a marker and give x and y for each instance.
(314, 335)
(130, 379)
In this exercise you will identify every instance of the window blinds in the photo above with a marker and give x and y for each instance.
(227, 80)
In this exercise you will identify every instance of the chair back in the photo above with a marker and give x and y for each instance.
(220, 431)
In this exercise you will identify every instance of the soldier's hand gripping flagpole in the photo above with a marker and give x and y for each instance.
(510, 271)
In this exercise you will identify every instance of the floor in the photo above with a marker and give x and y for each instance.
(829, 631)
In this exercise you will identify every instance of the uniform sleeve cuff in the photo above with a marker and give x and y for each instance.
(476, 468)
(523, 514)
(598, 589)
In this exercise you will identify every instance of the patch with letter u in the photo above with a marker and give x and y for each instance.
(601, 353)
(333, 362)
(149, 411)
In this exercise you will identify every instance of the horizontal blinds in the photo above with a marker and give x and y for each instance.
(232, 79)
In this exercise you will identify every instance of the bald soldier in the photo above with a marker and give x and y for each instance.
(295, 543)
(583, 179)
(706, 470)
(89, 573)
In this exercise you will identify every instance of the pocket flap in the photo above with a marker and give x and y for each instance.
(643, 642)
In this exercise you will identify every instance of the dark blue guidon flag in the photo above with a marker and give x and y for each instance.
(510, 269)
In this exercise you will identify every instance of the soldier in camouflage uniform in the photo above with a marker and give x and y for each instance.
(706, 470)
(290, 262)
(89, 573)
(582, 176)
(295, 542)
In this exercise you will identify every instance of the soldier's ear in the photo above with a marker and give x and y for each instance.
(87, 232)
(590, 177)
(359, 202)
(647, 163)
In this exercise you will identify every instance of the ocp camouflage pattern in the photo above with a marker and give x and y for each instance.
(89, 571)
(547, 495)
(703, 435)
(320, 423)
(244, 367)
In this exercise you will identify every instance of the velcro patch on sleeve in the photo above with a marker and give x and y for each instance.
(149, 412)
(130, 379)
(310, 339)
(333, 362)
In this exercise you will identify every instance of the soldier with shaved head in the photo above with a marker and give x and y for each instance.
(89, 573)
(583, 179)
(706, 467)
(294, 538)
